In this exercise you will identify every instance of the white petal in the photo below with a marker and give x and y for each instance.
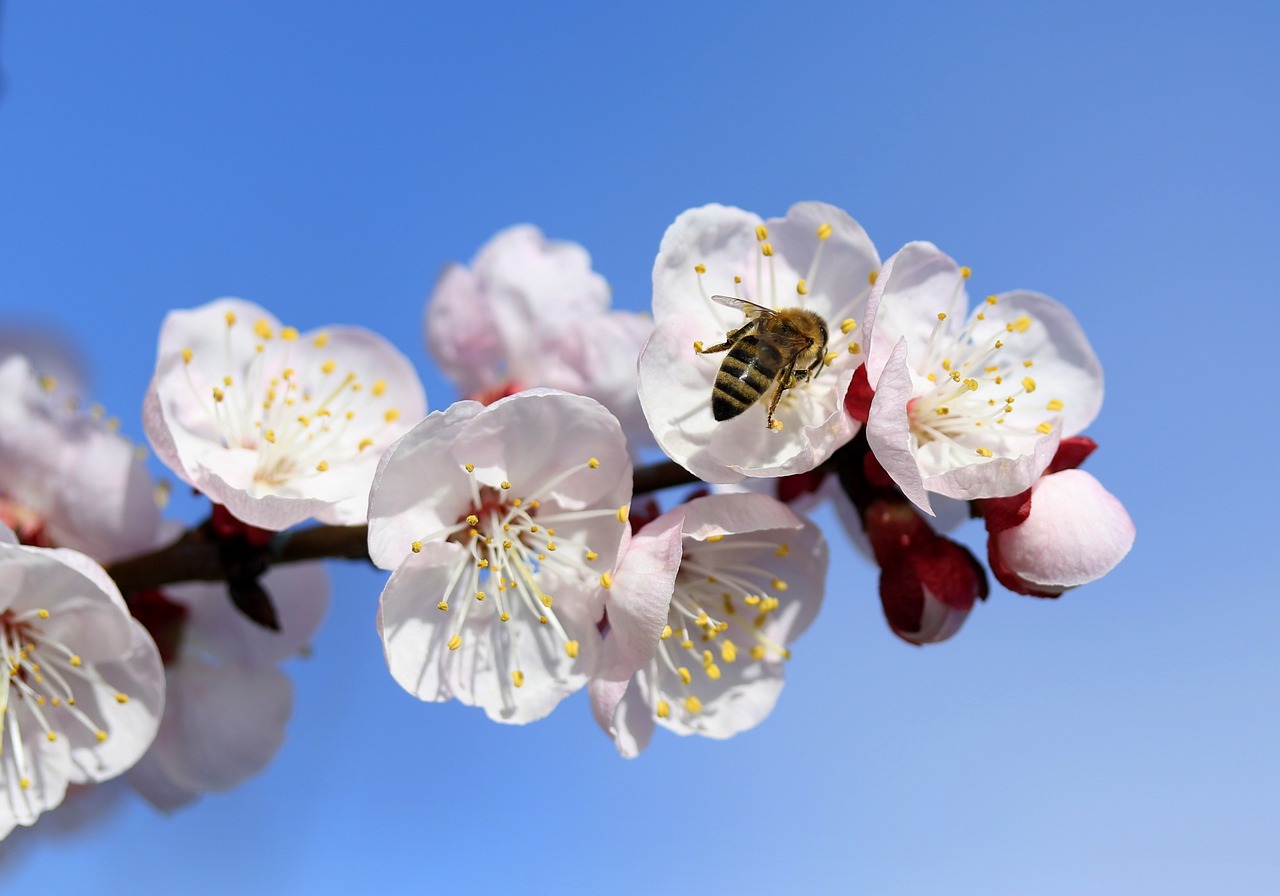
(889, 428)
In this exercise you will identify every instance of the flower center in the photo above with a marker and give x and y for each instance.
(41, 677)
(723, 604)
(970, 390)
(514, 546)
(289, 404)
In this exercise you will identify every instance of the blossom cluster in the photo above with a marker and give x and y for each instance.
(528, 557)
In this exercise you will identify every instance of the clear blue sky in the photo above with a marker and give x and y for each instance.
(324, 160)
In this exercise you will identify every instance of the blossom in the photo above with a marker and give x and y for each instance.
(503, 524)
(1065, 531)
(971, 406)
(531, 312)
(69, 479)
(83, 689)
(277, 425)
(706, 657)
(817, 259)
(228, 702)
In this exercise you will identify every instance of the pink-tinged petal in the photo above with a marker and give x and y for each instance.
(917, 283)
(462, 333)
(640, 597)
(721, 239)
(998, 477)
(223, 724)
(411, 494)
(889, 428)
(1064, 361)
(300, 594)
(6, 535)
(632, 724)
(1077, 532)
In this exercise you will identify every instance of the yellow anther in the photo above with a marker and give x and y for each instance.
(708, 658)
(547, 600)
(551, 546)
(829, 357)
(231, 318)
(802, 288)
(322, 466)
(848, 325)
(442, 606)
(24, 783)
(416, 547)
(971, 385)
(391, 416)
(593, 463)
(606, 580)
(762, 232)
(767, 250)
(1044, 429)
(263, 329)
(966, 273)
(480, 595)
(289, 334)
(686, 644)
(571, 648)
(1028, 363)
(52, 736)
(321, 340)
(854, 348)
(473, 520)
(100, 735)
(728, 651)
(692, 705)
(364, 443)
(288, 373)
(715, 538)
(48, 383)
(455, 642)
(985, 452)
(1029, 384)
(1054, 404)
(783, 550)
(304, 420)
(942, 412)
(329, 366)
(776, 425)
(991, 300)
(542, 619)
(1020, 325)
(713, 672)
(700, 268)
(942, 315)
(623, 512)
(685, 676)
(779, 585)
(74, 660)
(591, 555)
(217, 394)
(122, 697)
(517, 678)
(186, 356)
(482, 563)
(998, 380)
(666, 632)
(43, 614)
(504, 484)
(873, 277)
(824, 231)
(505, 617)
(758, 652)
(946, 363)
(737, 279)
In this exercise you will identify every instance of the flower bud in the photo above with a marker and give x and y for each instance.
(928, 591)
(1072, 532)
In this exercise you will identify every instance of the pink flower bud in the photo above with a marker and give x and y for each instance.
(1072, 531)
(928, 591)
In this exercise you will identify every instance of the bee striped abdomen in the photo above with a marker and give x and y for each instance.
(743, 377)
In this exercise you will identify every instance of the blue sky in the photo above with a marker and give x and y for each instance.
(326, 159)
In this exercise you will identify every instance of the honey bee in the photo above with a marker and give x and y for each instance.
(785, 347)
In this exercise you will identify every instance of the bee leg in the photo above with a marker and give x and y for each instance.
(785, 382)
(730, 339)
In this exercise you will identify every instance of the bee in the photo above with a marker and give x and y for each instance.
(785, 347)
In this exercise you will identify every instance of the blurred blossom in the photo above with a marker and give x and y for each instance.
(227, 703)
(277, 425)
(818, 259)
(531, 312)
(503, 525)
(971, 406)
(85, 688)
(69, 479)
(51, 354)
(704, 654)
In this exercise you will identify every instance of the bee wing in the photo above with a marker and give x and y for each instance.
(750, 309)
